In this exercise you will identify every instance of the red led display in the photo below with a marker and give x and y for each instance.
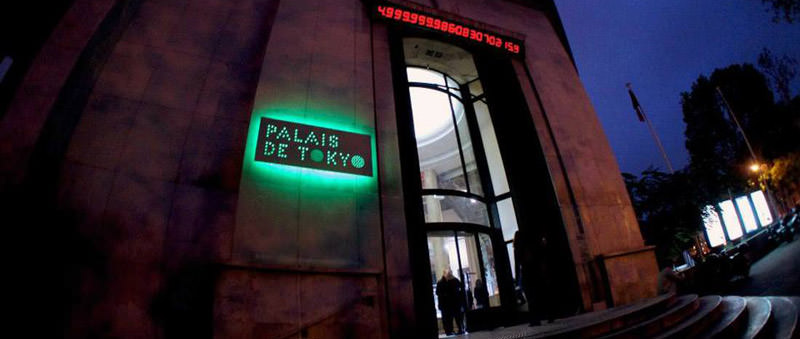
(415, 18)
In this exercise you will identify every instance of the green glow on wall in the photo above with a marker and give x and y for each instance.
(288, 143)
(272, 173)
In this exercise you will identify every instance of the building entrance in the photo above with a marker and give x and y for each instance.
(464, 277)
(466, 202)
(466, 137)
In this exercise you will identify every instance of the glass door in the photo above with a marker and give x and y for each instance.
(464, 278)
(465, 198)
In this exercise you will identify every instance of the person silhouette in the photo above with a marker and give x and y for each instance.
(450, 294)
(481, 294)
(530, 257)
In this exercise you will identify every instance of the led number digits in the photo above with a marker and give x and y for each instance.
(450, 28)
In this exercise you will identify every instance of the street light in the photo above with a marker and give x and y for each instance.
(755, 166)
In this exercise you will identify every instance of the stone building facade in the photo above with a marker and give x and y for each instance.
(133, 141)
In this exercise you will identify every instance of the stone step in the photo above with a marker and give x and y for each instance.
(707, 315)
(784, 317)
(732, 320)
(619, 310)
(673, 317)
(595, 324)
(680, 309)
(796, 302)
(758, 314)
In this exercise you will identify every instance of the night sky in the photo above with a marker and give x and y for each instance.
(661, 47)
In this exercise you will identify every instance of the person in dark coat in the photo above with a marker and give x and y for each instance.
(530, 258)
(450, 294)
(481, 294)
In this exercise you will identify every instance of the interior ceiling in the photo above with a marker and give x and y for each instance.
(440, 56)
(441, 154)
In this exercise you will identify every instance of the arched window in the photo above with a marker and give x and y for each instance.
(451, 184)
(466, 197)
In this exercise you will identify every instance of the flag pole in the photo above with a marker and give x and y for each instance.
(736, 121)
(643, 117)
(760, 170)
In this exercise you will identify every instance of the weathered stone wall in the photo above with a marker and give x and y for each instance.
(148, 179)
(159, 147)
(633, 274)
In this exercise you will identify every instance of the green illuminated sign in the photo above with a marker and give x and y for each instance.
(294, 144)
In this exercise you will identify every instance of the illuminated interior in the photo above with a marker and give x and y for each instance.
(716, 235)
(450, 114)
(731, 220)
(746, 212)
(459, 252)
(762, 208)
(740, 216)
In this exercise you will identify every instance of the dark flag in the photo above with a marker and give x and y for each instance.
(636, 106)
(640, 114)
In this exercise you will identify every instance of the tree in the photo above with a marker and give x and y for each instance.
(668, 209)
(784, 178)
(781, 70)
(782, 136)
(719, 158)
(788, 10)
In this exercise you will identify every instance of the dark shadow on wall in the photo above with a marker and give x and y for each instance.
(183, 308)
(85, 274)
(64, 264)
(24, 28)
(47, 254)
(51, 147)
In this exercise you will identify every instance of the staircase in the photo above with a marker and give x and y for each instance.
(670, 316)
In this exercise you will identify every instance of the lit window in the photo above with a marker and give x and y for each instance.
(731, 220)
(762, 208)
(750, 223)
(713, 226)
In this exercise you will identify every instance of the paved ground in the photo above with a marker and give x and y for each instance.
(777, 273)
(513, 332)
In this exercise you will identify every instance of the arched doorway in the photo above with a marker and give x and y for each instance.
(466, 201)
(474, 173)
